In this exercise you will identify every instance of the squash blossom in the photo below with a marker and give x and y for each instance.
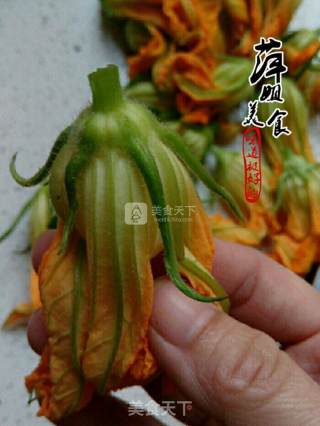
(189, 24)
(183, 46)
(309, 84)
(298, 197)
(297, 121)
(298, 256)
(259, 217)
(299, 49)
(123, 196)
(251, 20)
(251, 234)
(203, 90)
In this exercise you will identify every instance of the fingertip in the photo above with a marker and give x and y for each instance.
(40, 246)
(37, 333)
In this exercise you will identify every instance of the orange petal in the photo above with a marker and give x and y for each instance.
(295, 58)
(296, 256)
(314, 199)
(22, 312)
(181, 19)
(18, 316)
(150, 12)
(225, 228)
(34, 289)
(147, 54)
(57, 381)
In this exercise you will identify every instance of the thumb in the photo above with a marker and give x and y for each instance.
(236, 374)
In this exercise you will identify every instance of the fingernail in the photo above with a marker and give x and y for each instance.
(176, 317)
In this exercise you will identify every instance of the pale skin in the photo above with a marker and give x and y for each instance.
(230, 366)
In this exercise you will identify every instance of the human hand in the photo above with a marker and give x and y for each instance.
(231, 367)
(236, 374)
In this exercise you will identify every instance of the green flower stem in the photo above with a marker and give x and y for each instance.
(106, 89)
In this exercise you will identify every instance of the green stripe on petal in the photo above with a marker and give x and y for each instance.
(175, 189)
(75, 166)
(134, 259)
(78, 296)
(99, 209)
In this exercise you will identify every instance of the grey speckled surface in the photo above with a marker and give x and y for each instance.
(46, 48)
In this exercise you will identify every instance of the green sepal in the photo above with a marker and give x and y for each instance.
(116, 273)
(174, 141)
(44, 171)
(73, 170)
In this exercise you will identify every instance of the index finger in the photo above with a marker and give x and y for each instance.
(265, 295)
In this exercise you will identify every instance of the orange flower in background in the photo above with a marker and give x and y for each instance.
(298, 197)
(309, 84)
(254, 19)
(146, 11)
(299, 48)
(192, 54)
(298, 256)
(174, 66)
(259, 19)
(147, 53)
(297, 121)
(96, 280)
(260, 216)
(187, 57)
(203, 91)
(250, 234)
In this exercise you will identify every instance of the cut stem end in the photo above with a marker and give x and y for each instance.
(106, 89)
